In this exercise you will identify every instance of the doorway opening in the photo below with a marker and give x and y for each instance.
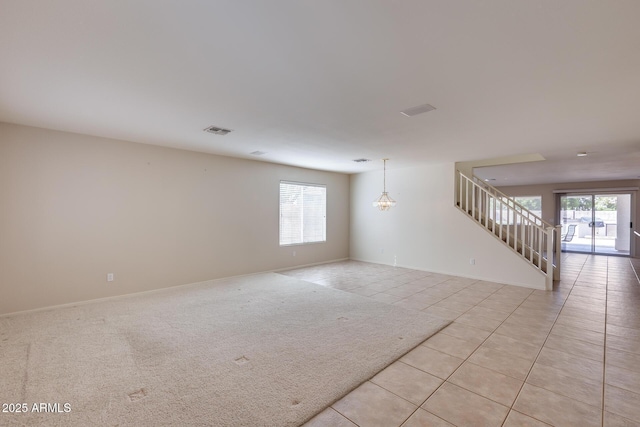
(596, 223)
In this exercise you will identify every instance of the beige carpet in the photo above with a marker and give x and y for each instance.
(263, 350)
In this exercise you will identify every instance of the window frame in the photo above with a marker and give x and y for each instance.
(280, 214)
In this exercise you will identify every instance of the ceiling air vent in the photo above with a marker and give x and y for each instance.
(361, 160)
(216, 130)
(414, 111)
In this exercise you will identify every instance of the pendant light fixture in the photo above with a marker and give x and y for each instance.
(384, 202)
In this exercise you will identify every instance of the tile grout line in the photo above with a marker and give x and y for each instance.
(493, 332)
(438, 388)
(397, 286)
(562, 306)
(467, 358)
(445, 380)
(398, 360)
(378, 385)
(604, 348)
(545, 341)
(534, 361)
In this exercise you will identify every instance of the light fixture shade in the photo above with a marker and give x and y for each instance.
(384, 202)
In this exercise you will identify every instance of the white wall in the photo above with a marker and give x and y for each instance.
(74, 208)
(426, 231)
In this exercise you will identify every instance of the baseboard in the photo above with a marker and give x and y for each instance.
(448, 273)
(152, 291)
(307, 265)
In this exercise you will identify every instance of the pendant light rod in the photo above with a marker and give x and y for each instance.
(384, 202)
(384, 176)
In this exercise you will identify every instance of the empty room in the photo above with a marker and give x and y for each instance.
(319, 213)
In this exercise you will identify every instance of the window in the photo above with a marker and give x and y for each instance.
(505, 211)
(532, 203)
(303, 213)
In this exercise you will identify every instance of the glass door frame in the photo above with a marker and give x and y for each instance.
(593, 193)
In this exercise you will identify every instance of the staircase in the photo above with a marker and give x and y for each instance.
(526, 234)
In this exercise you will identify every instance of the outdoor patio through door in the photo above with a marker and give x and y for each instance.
(596, 223)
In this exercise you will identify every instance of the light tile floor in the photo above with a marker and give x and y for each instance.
(512, 356)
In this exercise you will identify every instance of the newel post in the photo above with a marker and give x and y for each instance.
(558, 252)
(549, 249)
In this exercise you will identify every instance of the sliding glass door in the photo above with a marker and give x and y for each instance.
(596, 223)
(575, 214)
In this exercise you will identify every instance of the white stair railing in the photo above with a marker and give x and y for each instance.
(528, 235)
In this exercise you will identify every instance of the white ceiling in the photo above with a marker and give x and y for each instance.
(602, 163)
(320, 83)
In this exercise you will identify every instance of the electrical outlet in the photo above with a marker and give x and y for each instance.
(294, 253)
(109, 277)
(472, 261)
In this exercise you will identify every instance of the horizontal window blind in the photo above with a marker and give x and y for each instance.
(303, 213)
